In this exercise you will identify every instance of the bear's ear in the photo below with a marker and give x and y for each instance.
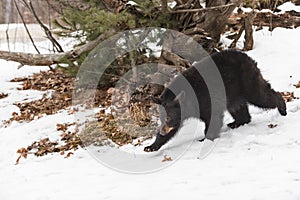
(180, 96)
(156, 100)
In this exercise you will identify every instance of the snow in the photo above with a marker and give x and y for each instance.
(19, 40)
(251, 162)
(289, 6)
(285, 7)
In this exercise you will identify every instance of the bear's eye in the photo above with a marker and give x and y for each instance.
(168, 119)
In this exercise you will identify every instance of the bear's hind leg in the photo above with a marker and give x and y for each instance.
(240, 115)
(213, 128)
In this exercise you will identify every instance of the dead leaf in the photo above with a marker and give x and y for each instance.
(167, 158)
(288, 96)
(61, 127)
(68, 141)
(69, 154)
(272, 125)
(2, 95)
(23, 153)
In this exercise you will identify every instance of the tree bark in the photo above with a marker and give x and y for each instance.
(216, 19)
(248, 44)
(31, 58)
(205, 25)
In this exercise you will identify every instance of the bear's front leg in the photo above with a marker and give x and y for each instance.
(159, 141)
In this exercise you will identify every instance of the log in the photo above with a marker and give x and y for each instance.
(31, 58)
(49, 59)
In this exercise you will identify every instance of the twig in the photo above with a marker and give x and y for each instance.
(271, 18)
(237, 36)
(26, 28)
(187, 4)
(56, 45)
(200, 9)
(7, 37)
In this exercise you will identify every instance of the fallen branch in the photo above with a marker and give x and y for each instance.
(31, 58)
(49, 59)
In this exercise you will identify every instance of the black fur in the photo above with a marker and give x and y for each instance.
(243, 83)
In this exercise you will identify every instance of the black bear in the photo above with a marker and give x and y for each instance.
(243, 85)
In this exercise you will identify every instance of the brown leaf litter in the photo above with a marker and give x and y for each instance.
(297, 85)
(272, 125)
(104, 129)
(166, 158)
(3, 95)
(68, 141)
(288, 96)
(60, 87)
(61, 97)
(265, 19)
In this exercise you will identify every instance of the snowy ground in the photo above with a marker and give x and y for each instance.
(251, 162)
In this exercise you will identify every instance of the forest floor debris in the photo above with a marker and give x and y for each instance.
(3, 95)
(69, 140)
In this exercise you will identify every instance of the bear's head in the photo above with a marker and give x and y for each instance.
(171, 118)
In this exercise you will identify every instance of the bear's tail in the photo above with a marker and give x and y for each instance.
(257, 90)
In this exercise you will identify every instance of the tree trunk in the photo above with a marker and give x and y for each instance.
(1, 12)
(248, 44)
(205, 25)
(216, 19)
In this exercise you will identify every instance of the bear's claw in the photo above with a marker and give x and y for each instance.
(151, 148)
